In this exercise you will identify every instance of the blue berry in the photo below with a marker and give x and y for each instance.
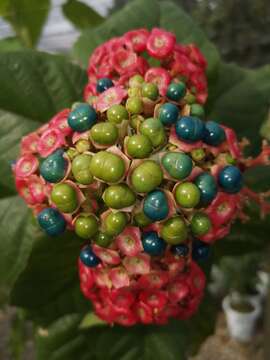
(51, 221)
(153, 244)
(82, 118)
(53, 168)
(200, 251)
(168, 114)
(176, 91)
(214, 133)
(208, 188)
(189, 129)
(230, 179)
(103, 84)
(88, 257)
(155, 205)
(180, 250)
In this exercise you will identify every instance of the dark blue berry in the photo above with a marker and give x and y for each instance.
(155, 205)
(153, 244)
(176, 91)
(88, 257)
(200, 251)
(168, 114)
(189, 129)
(230, 179)
(103, 84)
(214, 134)
(53, 168)
(208, 188)
(82, 118)
(180, 250)
(51, 221)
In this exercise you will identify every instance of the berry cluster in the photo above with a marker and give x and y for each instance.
(138, 174)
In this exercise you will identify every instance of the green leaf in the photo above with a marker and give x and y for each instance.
(27, 18)
(10, 44)
(135, 14)
(90, 320)
(81, 15)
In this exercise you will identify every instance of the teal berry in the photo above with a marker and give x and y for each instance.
(117, 113)
(168, 114)
(119, 196)
(52, 221)
(104, 133)
(88, 257)
(214, 134)
(103, 84)
(146, 177)
(180, 250)
(187, 195)
(64, 197)
(200, 224)
(138, 146)
(134, 105)
(156, 206)
(53, 168)
(103, 239)
(177, 165)
(150, 91)
(81, 169)
(230, 179)
(189, 129)
(82, 118)
(208, 188)
(176, 91)
(86, 226)
(197, 110)
(153, 244)
(174, 231)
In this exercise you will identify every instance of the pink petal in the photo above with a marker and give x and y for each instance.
(37, 188)
(25, 166)
(112, 96)
(119, 277)
(107, 256)
(137, 265)
(59, 121)
(29, 143)
(129, 241)
(51, 140)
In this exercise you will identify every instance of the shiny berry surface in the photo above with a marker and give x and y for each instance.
(153, 244)
(117, 113)
(200, 251)
(88, 257)
(208, 188)
(52, 222)
(104, 84)
(200, 224)
(86, 226)
(176, 91)
(174, 231)
(82, 118)
(156, 206)
(189, 128)
(64, 197)
(53, 168)
(187, 195)
(214, 134)
(168, 114)
(178, 165)
(230, 179)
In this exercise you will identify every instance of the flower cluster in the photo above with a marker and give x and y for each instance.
(139, 174)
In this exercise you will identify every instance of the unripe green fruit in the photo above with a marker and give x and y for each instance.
(81, 169)
(198, 154)
(200, 224)
(146, 177)
(134, 105)
(187, 195)
(104, 133)
(174, 231)
(115, 223)
(178, 165)
(107, 167)
(117, 113)
(150, 91)
(135, 121)
(139, 146)
(103, 239)
(154, 130)
(119, 196)
(64, 197)
(136, 81)
(142, 220)
(82, 146)
(86, 226)
(197, 110)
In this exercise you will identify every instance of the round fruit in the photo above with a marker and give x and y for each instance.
(104, 133)
(208, 188)
(200, 224)
(180, 250)
(187, 195)
(119, 196)
(230, 179)
(134, 105)
(146, 177)
(115, 223)
(168, 114)
(53, 168)
(82, 118)
(150, 91)
(136, 81)
(176, 91)
(198, 154)
(81, 169)
(141, 219)
(88, 257)
(153, 244)
(154, 130)
(82, 145)
(189, 129)
(177, 165)
(139, 146)
(156, 206)
(117, 113)
(135, 121)
(200, 251)
(197, 110)
(174, 231)
(52, 221)
(214, 134)
(86, 226)
(103, 239)
(107, 167)
(64, 197)
(103, 84)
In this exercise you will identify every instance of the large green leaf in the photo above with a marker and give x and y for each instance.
(27, 18)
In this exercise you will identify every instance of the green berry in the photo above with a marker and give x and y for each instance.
(146, 177)
(142, 220)
(150, 91)
(103, 239)
(174, 231)
(104, 133)
(197, 110)
(187, 195)
(107, 167)
(200, 224)
(198, 154)
(154, 130)
(119, 196)
(64, 197)
(72, 153)
(139, 146)
(81, 169)
(134, 105)
(178, 165)
(136, 81)
(135, 121)
(190, 98)
(115, 223)
(86, 226)
(134, 92)
(82, 146)
(117, 113)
